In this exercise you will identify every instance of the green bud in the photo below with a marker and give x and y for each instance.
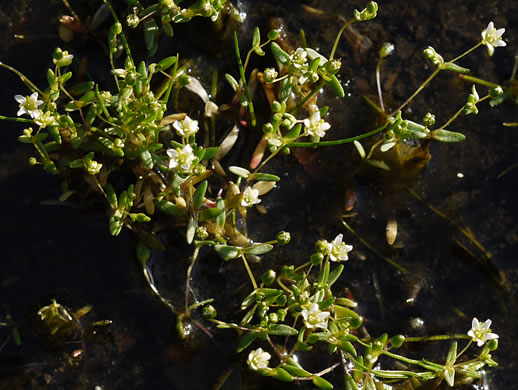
(209, 312)
(268, 128)
(268, 277)
(281, 313)
(433, 56)
(316, 258)
(492, 344)
(496, 92)
(322, 246)
(198, 170)
(276, 106)
(429, 119)
(201, 233)
(273, 317)
(386, 49)
(273, 35)
(269, 75)
(262, 309)
(117, 28)
(283, 238)
(313, 77)
(33, 161)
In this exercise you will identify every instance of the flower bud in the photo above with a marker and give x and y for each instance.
(433, 56)
(316, 258)
(281, 313)
(268, 277)
(492, 344)
(268, 128)
(273, 317)
(496, 92)
(33, 161)
(269, 75)
(273, 35)
(198, 170)
(386, 49)
(429, 119)
(322, 246)
(283, 238)
(201, 233)
(397, 341)
(209, 312)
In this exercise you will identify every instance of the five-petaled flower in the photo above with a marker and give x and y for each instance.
(181, 159)
(187, 127)
(250, 197)
(29, 105)
(299, 58)
(338, 249)
(315, 126)
(314, 318)
(491, 37)
(258, 359)
(481, 332)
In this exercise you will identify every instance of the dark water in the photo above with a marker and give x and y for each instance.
(53, 251)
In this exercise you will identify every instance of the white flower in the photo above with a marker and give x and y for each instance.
(44, 119)
(258, 359)
(316, 126)
(187, 127)
(314, 318)
(181, 158)
(29, 105)
(481, 332)
(338, 250)
(492, 37)
(250, 197)
(299, 58)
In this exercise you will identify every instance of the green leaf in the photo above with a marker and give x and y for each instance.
(336, 86)
(452, 354)
(191, 229)
(227, 252)
(344, 313)
(241, 172)
(282, 330)
(293, 133)
(449, 375)
(256, 39)
(456, 68)
(296, 371)
(209, 153)
(279, 54)
(110, 193)
(209, 213)
(248, 300)
(346, 346)
(199, 194)
(258, 249)
(280, 374)
(232, 81)
(170, 208)
(150, 32)
(321, 383)
(166, 63)
(264, 177)
(334, 275)
(115, 226)
(145, 156)
(447, 136)
(246, 340)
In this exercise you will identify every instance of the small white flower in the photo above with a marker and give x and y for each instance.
(187, 127)
(44, 119)
(491, 37)
(29, 105)
(258, 359)
(181, 159)
(299, 58)
(481, 332)
(316, 126)
(250, 197)
(314, 318)
(338, 250)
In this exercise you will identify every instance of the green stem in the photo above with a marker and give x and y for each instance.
(15, 119)
(123, 37)
(418, 90)
(478, 81)
(308, 96)
(378, 84)
(337, 142)
(250, 274)
(465, 348)
(243, 80)
(24, 79)
(339, 36)
(428, 365)
(435, 338)
(458, 113)
(466, 52)
(188, 278)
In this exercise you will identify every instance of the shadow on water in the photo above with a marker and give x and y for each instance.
(52, 251)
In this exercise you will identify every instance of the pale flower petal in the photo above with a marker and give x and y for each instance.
(258, 359)
(481, 332)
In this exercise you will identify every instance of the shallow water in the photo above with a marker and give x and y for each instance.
(53, 251)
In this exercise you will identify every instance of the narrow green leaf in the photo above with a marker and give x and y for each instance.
(256, 39)
(242, 172)
(447, 136)
(279, 54)
(346, 346)
(282, 330)
(280, 374)
(145, 156)
(227, 252)
(264, 177)
(166, 63)
(209, 153)
(110, 193)
(232, 81)
(246, 340)
(336, 86)
(258, 249)
(335, 274)
(199, 194)
(296, 371)
(456, 68)
(170, 208)
(150, 32)
(210, 213)
(191, 229)
(321, 383)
